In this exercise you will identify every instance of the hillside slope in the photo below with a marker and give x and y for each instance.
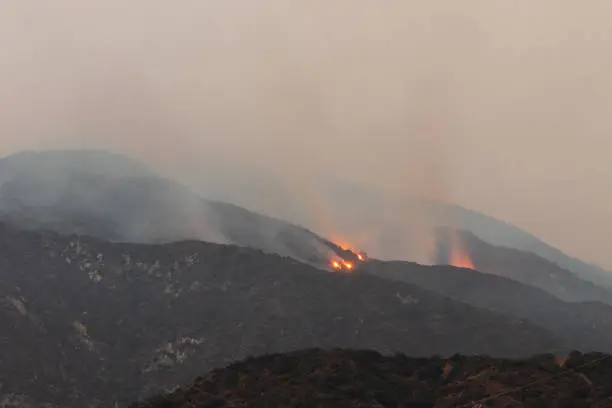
(109, 196)
(502, 234)
(585, 326)
(384, 218)
(528, 268)
(88, 322)
(138, 207)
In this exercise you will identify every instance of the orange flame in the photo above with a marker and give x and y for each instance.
(345, 247)
(339, 264)
(460, 258)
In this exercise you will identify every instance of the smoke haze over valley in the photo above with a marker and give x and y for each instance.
(303, 110)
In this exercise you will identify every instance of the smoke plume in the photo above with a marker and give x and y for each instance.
(343, 116)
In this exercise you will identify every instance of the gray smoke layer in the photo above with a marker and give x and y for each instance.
(291, 108)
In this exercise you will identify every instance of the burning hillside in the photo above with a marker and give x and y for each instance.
(452, 251)
(342, 265)
(348, 259)
(460, 258)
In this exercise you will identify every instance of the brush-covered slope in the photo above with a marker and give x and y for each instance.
(350, 378)
(585, 326)
(88, 322)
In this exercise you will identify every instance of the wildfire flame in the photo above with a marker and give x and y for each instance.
(358, 254)
(460, 258)
(341, 264)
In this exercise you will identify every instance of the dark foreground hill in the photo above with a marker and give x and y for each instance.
(86, 323)
(342, 378)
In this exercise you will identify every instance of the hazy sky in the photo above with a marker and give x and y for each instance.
(500, 106)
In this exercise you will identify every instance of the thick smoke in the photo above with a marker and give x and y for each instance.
(281, 106)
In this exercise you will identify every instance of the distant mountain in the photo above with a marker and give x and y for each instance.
(525, 267)
(349, 378)
(585, 326)
(499, 233)
(87, 323)
(385, 218)
(109, 196)
(114, 199)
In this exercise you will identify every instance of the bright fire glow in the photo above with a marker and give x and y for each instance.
(340, 264)
(461, 259)
(361, 257)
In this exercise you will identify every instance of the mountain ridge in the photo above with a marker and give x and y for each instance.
(156, 209)
(501, 233)
(526, 267)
